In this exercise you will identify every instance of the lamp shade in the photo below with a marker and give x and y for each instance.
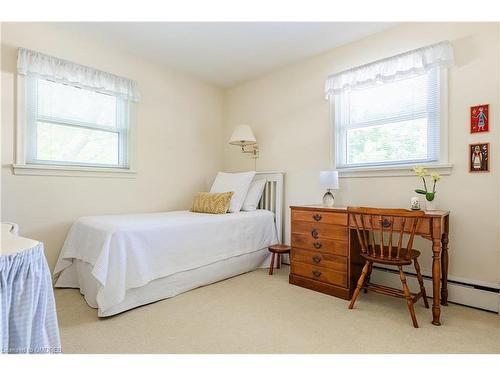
(329, 179)
(242, 136)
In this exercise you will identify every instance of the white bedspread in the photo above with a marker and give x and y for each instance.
(129, 251)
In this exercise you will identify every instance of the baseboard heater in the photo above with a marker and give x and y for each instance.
(463, 293)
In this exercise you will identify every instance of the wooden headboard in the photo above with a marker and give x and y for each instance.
(272, 198)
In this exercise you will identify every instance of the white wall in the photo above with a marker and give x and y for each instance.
(179, 149)
(290, 119)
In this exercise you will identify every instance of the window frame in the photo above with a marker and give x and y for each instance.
(25, 164)
(398, 168)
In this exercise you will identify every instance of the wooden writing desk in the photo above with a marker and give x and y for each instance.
(325, 258)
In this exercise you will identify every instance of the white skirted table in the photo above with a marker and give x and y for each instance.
(28, 314)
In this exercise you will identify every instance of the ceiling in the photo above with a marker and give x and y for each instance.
(226, 53)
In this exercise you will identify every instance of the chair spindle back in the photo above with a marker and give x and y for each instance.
(388, 223)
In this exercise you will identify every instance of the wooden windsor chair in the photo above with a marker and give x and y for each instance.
(376, 229)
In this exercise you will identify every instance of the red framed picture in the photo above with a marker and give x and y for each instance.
(479, 157)
(479, 118)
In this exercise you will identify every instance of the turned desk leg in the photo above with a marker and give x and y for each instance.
(444, 265)
(444, 270)
(436, 276)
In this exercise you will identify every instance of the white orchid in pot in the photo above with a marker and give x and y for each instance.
(429, 195)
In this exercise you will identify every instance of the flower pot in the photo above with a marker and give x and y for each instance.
(430, 205)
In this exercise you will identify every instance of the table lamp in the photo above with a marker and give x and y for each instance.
(329, 180)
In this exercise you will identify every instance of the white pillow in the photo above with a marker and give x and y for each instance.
(238, 183)
(253, 196)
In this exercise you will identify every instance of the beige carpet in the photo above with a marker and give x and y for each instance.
(257, 313)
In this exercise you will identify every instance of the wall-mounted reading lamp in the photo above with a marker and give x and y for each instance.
(243, 137)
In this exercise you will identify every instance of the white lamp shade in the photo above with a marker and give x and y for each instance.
(242, 136)
(329, 179)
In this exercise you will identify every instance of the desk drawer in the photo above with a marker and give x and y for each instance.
(316, 258)
(320, 273)
(320, 217)
(320, 230)
(306, 241)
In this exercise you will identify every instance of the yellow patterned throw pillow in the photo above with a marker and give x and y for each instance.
(211, 203)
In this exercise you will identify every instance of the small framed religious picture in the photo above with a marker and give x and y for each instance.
(479, 157)
(479, 118)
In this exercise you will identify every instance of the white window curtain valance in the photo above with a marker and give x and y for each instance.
(389, 69)
(50, 67)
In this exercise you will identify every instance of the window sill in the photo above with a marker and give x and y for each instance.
(70, 171)
(392, 170)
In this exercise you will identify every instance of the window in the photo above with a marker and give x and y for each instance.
(68, 125)
(389, 113)
(390, 123)
(72, 120)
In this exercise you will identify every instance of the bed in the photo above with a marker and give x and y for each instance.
(123, 261)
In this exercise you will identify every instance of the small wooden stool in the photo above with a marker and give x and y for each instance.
(277, 250)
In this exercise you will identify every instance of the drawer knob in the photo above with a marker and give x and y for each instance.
(317, 245)
(317, 217)
(316, 259)
(314, 233)
(316, 273)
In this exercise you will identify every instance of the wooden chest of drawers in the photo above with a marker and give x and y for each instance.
(322, 258)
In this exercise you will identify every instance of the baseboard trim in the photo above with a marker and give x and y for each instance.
(460, 292)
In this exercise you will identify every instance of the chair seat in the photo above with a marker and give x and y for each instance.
(404, 259)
